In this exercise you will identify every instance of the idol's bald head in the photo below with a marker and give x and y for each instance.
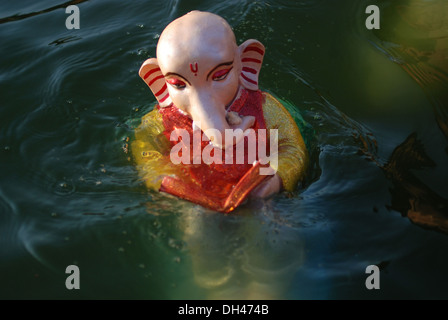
(193, 36)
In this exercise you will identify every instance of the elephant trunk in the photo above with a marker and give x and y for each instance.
(212, 120)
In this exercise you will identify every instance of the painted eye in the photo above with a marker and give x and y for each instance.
(221, 74)
(176, 83)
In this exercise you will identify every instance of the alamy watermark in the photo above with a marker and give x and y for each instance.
(373, 21)
(73, 20)
(72, 281)
(256, 147)
(373, 281)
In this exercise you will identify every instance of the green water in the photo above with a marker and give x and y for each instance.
(376, 194)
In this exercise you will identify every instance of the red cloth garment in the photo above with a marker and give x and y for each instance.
(220, 187)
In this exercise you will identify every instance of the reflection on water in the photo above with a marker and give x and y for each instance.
(241, 257)
(416, 36)
(410, 196)
(426, 52)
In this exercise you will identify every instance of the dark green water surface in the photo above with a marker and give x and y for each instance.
(377, 193)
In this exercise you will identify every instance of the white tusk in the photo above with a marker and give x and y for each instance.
(196, 125)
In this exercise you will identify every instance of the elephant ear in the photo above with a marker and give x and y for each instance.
(251, 53)
(153, 77)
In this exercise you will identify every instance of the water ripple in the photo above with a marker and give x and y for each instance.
(17, 17)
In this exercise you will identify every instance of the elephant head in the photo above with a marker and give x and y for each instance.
(200, 69)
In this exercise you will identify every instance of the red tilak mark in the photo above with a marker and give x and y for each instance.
(254, 49)
(150, 72)
(251, 60)
(195, 69)
(247, 69)
(161, 90)
(249, 80)
(155, 79)
(164, 98)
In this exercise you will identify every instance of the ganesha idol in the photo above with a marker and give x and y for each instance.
(214, 138)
